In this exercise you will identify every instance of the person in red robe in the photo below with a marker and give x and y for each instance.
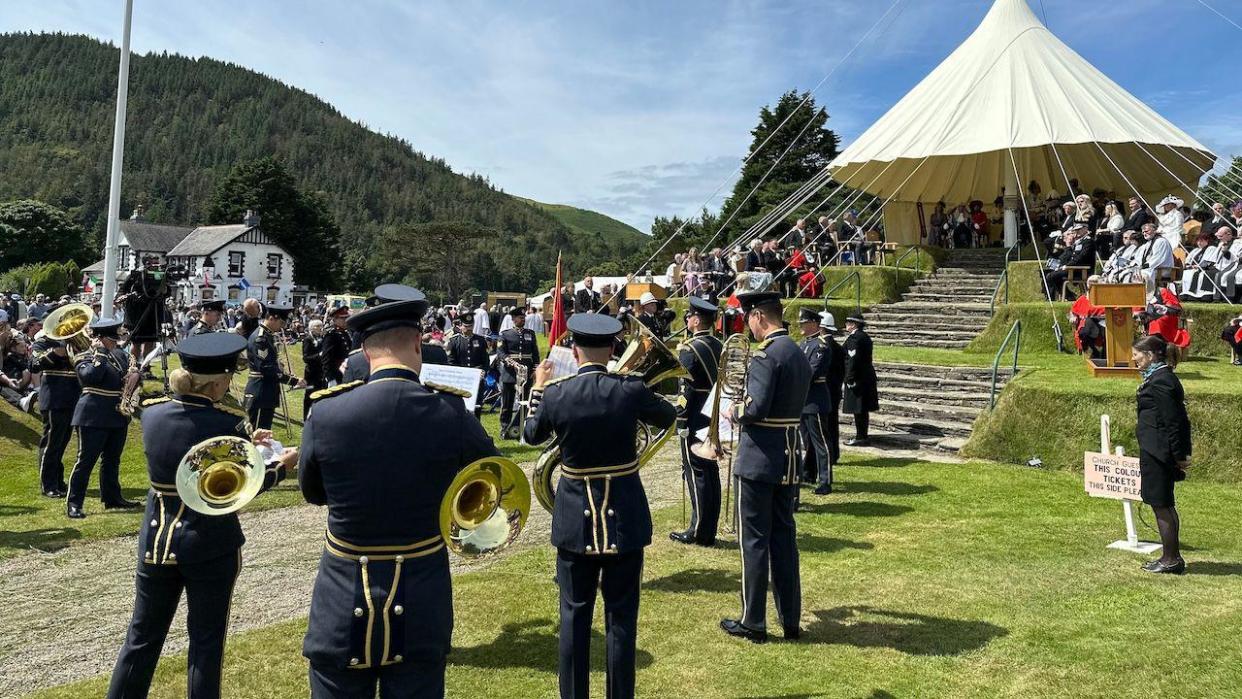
(1088, 321)
(810, 285)
(1161, 317)
(1232, 335)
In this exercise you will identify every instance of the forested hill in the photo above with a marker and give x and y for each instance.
(192, 120)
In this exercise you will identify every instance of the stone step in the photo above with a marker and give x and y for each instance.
(915, 324)
(915, 332)
(977, 398)
(917, 427)
(933, 386)
(926, 343)
(983, 286)
(963, 415)
(928, 309)
(948, 298)
(943, 373)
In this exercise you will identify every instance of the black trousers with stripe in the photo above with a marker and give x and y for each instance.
(820, 434)
(618, 577)
(208, 586)
(102, 444)
(702, 479)
(57, 429)
(769, 543)
(404, 680)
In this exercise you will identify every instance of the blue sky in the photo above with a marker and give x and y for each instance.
(639, 109)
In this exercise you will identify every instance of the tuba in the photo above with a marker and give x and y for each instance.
(68, 324)
(220, 475)
(485, 507)
(646, 357)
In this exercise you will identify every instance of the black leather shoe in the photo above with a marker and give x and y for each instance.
(733, 627)
(858, 443)
(54, 494)
(792, 633)
(823, 490)
(681, 537)
(1159, 567)
(122, 504)
(75, 512)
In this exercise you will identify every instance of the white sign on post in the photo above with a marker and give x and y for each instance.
(1116, 477)
(461, 377)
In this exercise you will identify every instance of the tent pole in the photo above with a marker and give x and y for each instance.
(1012, 193)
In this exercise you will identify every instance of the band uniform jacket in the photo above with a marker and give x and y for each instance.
(586, 300)
(468, 351)
(1163, 428)
(779, 377)
(434, 353)
(312, 349)
(652, 323)
(700, 356)
(819, 355)
(381, 456)
(102, 375)
(357, 368)
(336, 347)
(60, 388)
(601, 506)
(171, 532)
(266, 375)
(201, 328)
(836, 370)
(520, 345)
(862, 393)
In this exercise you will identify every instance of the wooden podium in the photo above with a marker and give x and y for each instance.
(635, 290)
(1118, 302)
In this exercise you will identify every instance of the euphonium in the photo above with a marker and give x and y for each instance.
(646, 357)
(68, 324)
(730, 383)
(220, 475)
(485, 507)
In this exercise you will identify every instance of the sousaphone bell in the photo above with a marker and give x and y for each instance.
(485, 507)
(220, 475)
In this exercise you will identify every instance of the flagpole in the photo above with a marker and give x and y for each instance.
(118, 153)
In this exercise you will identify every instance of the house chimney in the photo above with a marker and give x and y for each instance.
(137, 215)
(252, 218)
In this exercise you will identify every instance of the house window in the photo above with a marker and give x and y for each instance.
(122, 261)
(237, 264)
(207, 293)
(271, 294)
(234, 293)
(273, 265)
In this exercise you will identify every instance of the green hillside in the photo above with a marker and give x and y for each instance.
(192, 120)
(590, 223)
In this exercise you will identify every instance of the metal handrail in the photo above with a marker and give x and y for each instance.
(851, 277)
(1003, 280)
(1015, 333)
(897, 263)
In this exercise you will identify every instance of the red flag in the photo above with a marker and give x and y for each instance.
(558, 326)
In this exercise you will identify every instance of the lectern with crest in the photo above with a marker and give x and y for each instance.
(1118, 302)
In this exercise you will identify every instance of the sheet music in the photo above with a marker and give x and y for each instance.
(726, 427)
(563, 362)
(464, 378)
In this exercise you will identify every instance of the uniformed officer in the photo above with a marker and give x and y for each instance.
(97, 416)
(382, 607)
(178, 548)
(648, 304)
(862, 394)
(357, 368)
(59, 391)
(312, 361)
(266, 376)
(836, 387)
(213, 311)
(601, 520)
(336, 345)
(700, 355)
(765, 471)
(820, 409)
(517, 345)
(470, 350)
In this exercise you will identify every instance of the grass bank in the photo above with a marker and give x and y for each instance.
(918, 580)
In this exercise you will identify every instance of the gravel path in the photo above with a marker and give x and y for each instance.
(67, 611)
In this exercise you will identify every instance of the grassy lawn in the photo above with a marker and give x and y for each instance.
(919, 580)
(29, 521)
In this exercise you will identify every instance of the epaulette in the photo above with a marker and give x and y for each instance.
(451, 390)
(559, 379)
(235, 412)
(335, 390)
(764, 345)
(155, 401)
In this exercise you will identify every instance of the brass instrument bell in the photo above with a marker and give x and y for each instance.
(69, 324)
(485, 507)
(220, 475)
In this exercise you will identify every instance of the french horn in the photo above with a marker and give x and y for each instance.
(220, 475)
(485, 507)
(646, 357)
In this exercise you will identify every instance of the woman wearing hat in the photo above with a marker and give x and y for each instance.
(1171, 220)
(178, 548)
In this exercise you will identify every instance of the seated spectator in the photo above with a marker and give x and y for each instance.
(810, 283)
(1108, 234)
(1088, 322)
(1199, 279)
(978, 224)
(754, 258)
(16, 369)
(1079, 252)
(1153, 255)
(1160, 317)
(1119, 268)
(1232, 335)
(1171, 220)
(1229, 262)
(938, 226)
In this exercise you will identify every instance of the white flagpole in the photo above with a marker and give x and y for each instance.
(118, 153)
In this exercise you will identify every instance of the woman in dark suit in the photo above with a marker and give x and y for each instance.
(1164, 445)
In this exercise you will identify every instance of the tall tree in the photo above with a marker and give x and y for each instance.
(297, 221)
(31, 231)
(1226, 187)
(439, 255)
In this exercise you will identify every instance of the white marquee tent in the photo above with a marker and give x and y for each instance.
(1014, 87)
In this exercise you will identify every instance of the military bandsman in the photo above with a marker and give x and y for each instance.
(267, 376)
(209, 322)
(819, 431)
(766, 469)
(516, 347)
(336, 345)
(180, 549)
(357, 367)
(59, 392)
(101, 425)
(700, 356)
(862, 395)
(601, 521)
(312, 361)
(470, 350)
(382, 606)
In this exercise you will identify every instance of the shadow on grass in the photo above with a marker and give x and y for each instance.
(883, 462)
(13, 510)
(856, 509)
(1214, 568)
(877, 694)
(914, 634)
(25, 436)
(532, 644)
(46, 540)
(698, 580)
(813, 543)
(886, 488)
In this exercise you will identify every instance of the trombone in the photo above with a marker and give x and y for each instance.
(730, 384)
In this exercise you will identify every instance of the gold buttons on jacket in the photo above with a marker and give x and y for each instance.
(399, 559)
(611, 512)
(357, 611)
(588, 548)
(586, 513)
(397, 658)
(354, 661)
(398, 610)
(178, 524)
(172, 556)
(155, 522)
(363, 560)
